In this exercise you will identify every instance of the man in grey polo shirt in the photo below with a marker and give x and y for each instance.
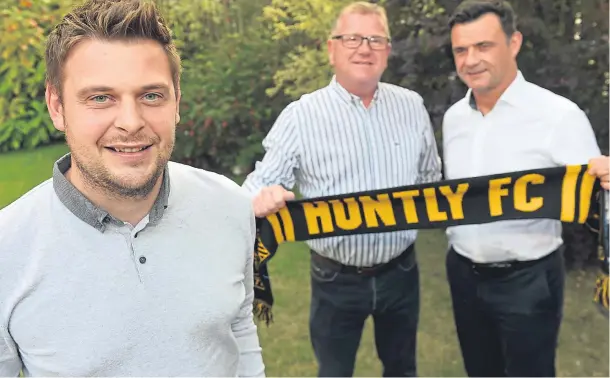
(124, 264)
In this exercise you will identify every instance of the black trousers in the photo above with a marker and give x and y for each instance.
(342, 301)
(507, 321)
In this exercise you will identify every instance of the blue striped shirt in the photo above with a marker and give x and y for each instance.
(328, 143)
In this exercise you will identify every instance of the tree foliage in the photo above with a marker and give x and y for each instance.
(229, 58)
(24, 122)
(305, 25)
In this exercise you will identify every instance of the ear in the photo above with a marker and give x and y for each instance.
(55, 107)
(331, 54)
(515, 43)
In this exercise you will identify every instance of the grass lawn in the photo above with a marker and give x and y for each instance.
(583, 345)
(21, 171)
(583, 349)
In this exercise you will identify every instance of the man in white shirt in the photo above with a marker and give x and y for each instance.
(507, 277)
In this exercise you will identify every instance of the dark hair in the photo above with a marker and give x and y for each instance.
(470, 10)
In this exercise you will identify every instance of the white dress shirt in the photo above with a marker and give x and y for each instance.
(528, 128)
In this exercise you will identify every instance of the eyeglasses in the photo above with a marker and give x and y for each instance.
(353, 41)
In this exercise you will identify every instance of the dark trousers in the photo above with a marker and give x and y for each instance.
(507, 321)
(342, 301)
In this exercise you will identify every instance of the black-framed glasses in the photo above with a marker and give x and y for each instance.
(353, 41)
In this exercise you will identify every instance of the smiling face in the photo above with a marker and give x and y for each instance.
(361, 66)
(119, 111)
(485, 57)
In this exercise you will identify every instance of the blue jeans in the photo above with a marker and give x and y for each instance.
(340, 304)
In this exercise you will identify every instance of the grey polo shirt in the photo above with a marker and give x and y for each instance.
(82, 293)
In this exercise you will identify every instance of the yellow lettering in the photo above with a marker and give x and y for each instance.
(434, 214)
(318, 211)
(347, 222)
(586, 190)
(263, 252)
(496, 192)
(568, 193)
(277, 228)
(381, 207)
(455, 199)
(408, 204)
(521, 202)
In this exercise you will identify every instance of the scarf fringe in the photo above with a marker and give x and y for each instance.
(262, 311)
(601, 294)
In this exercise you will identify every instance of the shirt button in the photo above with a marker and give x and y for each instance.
(142, 259)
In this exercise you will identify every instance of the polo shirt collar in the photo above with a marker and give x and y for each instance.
(512, 95)
(91, 214)
(349, 97)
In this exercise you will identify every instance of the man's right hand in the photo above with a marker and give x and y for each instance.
(270, 199)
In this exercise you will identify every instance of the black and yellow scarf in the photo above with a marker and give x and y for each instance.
(562, 193)
(601, 226)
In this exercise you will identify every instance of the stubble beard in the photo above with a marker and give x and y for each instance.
(97, 177)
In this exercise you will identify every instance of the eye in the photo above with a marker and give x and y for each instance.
(99, 99)
(152, 96)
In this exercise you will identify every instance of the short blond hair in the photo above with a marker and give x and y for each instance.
(364, 8)
(108, 20)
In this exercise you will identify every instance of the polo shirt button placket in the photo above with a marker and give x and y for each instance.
(138, 260)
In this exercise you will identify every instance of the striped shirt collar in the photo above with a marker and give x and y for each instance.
(349, 97)
(91, 214)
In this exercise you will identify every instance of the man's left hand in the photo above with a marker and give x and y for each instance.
(600, 167)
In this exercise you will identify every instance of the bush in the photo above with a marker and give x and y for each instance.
(229, 59)
(24, 121)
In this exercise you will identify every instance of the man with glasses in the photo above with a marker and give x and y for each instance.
(355, 134)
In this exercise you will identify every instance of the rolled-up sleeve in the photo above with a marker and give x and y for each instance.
(281, 159)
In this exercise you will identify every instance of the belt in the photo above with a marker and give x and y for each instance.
(362, 270)
(502, 267)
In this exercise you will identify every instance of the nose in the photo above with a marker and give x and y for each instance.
(130, 117)
(365, 47)
(472, 57)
